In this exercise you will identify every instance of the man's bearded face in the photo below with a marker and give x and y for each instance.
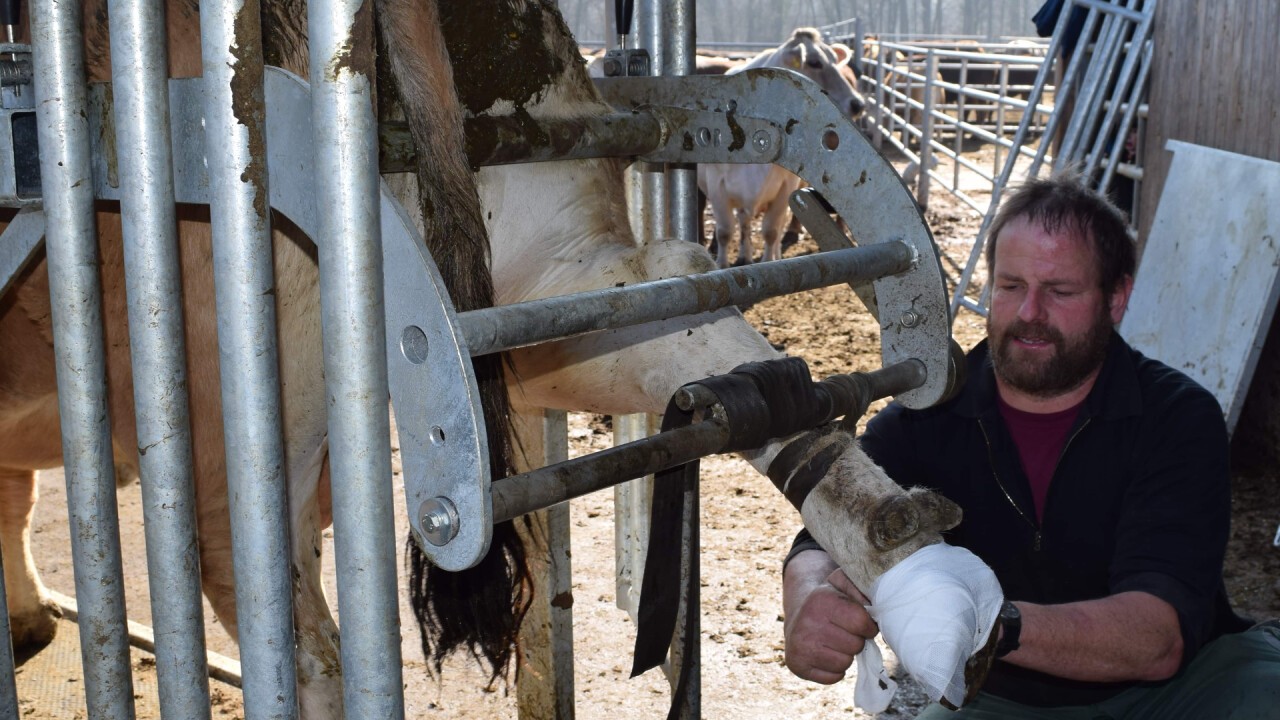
(1072, 360)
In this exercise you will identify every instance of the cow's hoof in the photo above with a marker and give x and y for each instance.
(34, 630)
(741, 262)
(936, 511)
(893, 522)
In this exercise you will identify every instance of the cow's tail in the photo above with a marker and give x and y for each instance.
(480, 608)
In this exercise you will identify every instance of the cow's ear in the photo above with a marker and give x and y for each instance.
(795, 58)
(843, 52)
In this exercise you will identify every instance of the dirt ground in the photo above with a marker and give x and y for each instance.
(746, 529)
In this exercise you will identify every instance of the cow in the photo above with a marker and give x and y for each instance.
(491, 247)
(738, 194)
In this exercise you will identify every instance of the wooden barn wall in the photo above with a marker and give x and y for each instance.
(1215, 81)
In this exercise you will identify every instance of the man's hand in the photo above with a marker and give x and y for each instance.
(826, 620)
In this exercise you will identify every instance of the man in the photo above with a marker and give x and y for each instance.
(1094, 482)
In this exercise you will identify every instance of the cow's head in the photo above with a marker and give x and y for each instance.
(827, 65)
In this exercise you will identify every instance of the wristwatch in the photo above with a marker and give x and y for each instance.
(1011, 620)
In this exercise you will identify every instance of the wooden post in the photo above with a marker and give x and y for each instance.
(545, 690)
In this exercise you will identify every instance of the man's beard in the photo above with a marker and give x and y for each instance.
(1064, 371)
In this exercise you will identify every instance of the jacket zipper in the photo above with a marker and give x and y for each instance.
(991, 457)
(1061, 454)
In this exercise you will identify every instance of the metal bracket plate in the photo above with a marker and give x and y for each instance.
(821, 145)
(433, 389)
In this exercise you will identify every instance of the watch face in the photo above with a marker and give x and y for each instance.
(1009, 611)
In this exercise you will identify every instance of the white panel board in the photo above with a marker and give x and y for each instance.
(1206, 289)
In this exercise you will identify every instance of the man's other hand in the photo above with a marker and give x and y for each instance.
(827, 623)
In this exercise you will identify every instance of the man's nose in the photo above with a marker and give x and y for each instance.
(1031, 308)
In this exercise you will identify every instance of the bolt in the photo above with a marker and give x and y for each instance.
(762, 141)
(439, 520)
(909, 319)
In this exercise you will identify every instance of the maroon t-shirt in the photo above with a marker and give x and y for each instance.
(1040, 438)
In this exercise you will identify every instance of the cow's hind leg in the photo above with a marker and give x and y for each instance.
(723, 215)
(33, 615)
(745, 255)
(319, 656)
(771, 227)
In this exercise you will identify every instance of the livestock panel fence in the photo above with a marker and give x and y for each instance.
(1020, 101)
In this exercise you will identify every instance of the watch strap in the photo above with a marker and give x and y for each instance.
(1011, 622)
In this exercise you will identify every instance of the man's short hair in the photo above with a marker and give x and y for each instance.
(1063, 203)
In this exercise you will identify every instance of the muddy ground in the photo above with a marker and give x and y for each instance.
(746, 529)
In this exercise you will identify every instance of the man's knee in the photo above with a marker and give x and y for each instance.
(1245, 673)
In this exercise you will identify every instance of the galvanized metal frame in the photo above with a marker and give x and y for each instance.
(353, 260)
(8, 682)
(345, 126)
(244, 281)
(158, 351)
(1114, 22)
(888, 113)
(79, 347)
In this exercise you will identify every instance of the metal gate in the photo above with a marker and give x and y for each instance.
(143, 142)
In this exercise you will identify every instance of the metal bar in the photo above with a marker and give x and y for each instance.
(76, 292)
(1099, 79)
(154, 289)
(75, 289)
(632, 506)
(1129, 110)
(958, 300)
(8, 682)
(926, 130)
(506, 140)
(682, 179)
(18, 244)
(221, 668)
(235, 134)
(519, 494)
(349, 241)
(1109, 6)
(1067, 91)
(881, 115)
(506, 327)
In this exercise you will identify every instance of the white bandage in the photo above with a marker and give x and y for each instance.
(935, 609)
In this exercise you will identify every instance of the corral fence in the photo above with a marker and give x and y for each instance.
(931, 99)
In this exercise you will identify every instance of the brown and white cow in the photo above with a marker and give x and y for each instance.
(738, 194)
(554, 228)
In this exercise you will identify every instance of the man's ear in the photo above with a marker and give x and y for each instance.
(1120, 298)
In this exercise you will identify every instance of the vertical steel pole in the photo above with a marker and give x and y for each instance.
(926, 129)
(235, 133)
(682, 180)
(653, 182)
(75, 288)
(351, 298)
(8, 682)
(154, 287)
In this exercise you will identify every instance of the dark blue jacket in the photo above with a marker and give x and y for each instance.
(1140, 500)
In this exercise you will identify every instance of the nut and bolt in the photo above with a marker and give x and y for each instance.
(439, 520)
(761, 141)
(909, 319)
